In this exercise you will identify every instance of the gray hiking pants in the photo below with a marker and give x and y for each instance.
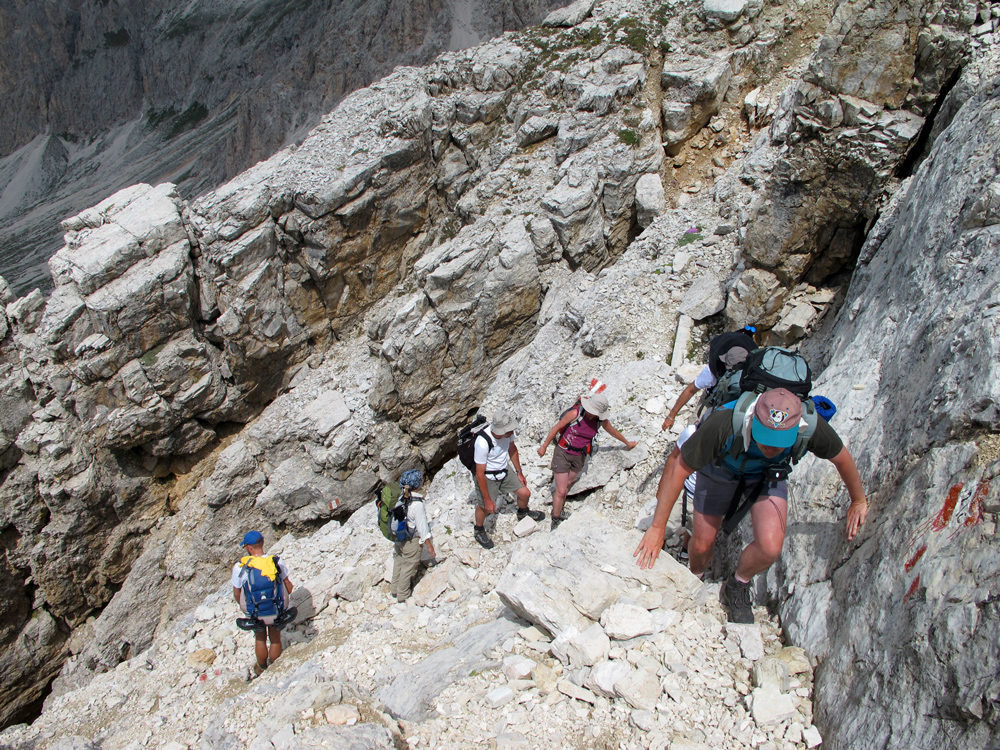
(405, 561)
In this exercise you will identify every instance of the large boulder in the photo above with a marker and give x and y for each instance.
(547, 569)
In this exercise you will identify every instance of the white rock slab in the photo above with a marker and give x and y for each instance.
(748, 636)
(604, 676)
(575, 691)
(769, 706)
(498, 697)
(640, 688)
(525, 526)
(625, 621)
(588, 647)
(705, 297)
(725, 11)
(517, 667)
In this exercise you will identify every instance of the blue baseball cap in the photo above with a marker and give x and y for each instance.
(776, 417)
(252, 537)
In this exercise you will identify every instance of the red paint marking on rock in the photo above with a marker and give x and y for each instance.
(915, 559)
(976, 515)
(913, 588)
(941, 519)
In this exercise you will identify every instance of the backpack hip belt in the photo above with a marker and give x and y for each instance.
(492, 475)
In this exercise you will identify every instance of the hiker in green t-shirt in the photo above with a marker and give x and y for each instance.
(770, 429)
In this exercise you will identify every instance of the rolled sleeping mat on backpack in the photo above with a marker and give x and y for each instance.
(250, 624)
(286, 618)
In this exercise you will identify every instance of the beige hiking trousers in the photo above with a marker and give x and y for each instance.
(406, 560)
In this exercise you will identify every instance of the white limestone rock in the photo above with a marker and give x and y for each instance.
(499, 697)
(588, 648)
(605, 675)
(536, 129)
(723, 11)
(650, 199)
(771, 671)
(704, 298)
(749, 639)
(640, 688)
(525, 526)
(571, 15)
(769, 706)
(623, 622)
(518, 667)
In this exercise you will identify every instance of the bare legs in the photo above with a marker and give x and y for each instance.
(261, 650)
(769, 516)
(563, 482)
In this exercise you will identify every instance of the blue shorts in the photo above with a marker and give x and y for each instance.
(714, 489)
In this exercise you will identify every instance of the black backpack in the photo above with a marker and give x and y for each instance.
(467, 441)
(727, 387)
(721, 345)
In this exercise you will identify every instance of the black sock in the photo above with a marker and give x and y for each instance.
(478, 528)
(522, 512)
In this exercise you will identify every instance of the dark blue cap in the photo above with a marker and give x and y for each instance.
(252, 537)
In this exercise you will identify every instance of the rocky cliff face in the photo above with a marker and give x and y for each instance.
(102, 95)
(918, 312)
(496, 227)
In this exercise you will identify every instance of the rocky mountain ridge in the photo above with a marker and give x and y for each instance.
(459, 230)
(101, 95)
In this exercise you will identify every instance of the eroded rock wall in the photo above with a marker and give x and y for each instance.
(906, 616)
(104, 94)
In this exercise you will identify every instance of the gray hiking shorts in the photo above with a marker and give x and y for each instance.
(496, 487)
(714, 489)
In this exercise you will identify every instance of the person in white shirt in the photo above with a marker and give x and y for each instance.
(406, 555)
(727, 352)
(253, 543)
(495, 451)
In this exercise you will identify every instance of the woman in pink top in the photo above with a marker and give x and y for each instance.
(576, 430)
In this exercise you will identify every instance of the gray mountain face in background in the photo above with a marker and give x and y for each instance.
(104, 93)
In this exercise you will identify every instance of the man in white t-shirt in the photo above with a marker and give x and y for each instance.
(495, 451)
(253, 543)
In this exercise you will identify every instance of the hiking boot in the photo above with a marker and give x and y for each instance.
(534, 515)
(484, 539)
(556, 520)
(735, 597)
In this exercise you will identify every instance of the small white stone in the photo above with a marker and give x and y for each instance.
(771, 707)
(812, 737)
(655, 405)
(344, 714)
(525, 526)
(500, 696)
(517, 667)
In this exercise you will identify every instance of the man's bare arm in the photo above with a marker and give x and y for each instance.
(858, 510)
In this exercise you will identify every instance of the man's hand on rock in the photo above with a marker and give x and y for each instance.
(649, 548)
(856, 514)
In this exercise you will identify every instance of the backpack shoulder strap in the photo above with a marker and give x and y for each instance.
(806, 431)
(740, 408)
(483, 434)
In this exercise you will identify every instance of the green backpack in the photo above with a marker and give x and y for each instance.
(392, 513)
